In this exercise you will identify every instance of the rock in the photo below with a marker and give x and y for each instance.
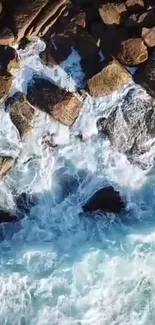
(111, 40)
(59, 47)
(24, 14)
(6, 36)
(1, 8)
(46, 17)
(146, 19)
(80, 19)
(132, 52)
(148, 36)
(6, 164)
(135, 5)
(97, 31)
(9, 60)
(86, 45)
(105, 200)
(112, 78)
(57, 50)
(113, 13)
(5, 85)
(131, 126)
(145, 76)
(63, 106)
(7, 217)
(21, 113)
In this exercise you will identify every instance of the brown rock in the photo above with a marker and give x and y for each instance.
(80, 19)
(5, 85)
(6, 36)
(135, 5)
(9, 60)
(63, 106)
(24, 14)
(46, 16)
(112, 78)
(148, 36)
(113, 13)
(21, 113)
(145, 76)
(132, 52)
(6, 164)
(1, 8)
(47, 27)
(86, 45)
(112, 39)
(57, 50)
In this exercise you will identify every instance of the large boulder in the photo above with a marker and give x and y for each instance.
(113, 13)
(112, 78)
(105, 200)
(148, 35)
(5, 85)
(132, 52)
(63, 106)
(21, 113)
(131, 126)
(6, 164)
(145, 76)
(47, 17)
(9, 60)
(135, 5)
(6, 36)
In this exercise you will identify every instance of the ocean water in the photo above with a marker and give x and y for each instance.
(59, 266)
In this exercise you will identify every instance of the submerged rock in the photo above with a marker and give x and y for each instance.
(5, 85)
(21, 113)
(7, 217)
(112, 78)
(131, 126)
(63, 106)
(105, 200)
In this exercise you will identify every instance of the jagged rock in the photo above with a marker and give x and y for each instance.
(5, 85)
(146, 19)
(113, 13)
(145, 76)
(59, 47)
(63, 106)
(9, 60)
(6, 36)
(80, 19)
(112, 78)
(57, 50)
(148, 35)
(24, 14)
(6, 164)
(111, 40)
(135, 5)
(47, 17)
(132, 52)
(105, 200)
(21, 113)
(131, 126)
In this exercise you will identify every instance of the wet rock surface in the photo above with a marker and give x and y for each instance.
(63, 106)
(21, 113)
(112, 78)
(130, 126)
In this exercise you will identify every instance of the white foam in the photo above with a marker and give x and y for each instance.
(58, 266)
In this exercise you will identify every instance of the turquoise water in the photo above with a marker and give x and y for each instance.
(59, 266)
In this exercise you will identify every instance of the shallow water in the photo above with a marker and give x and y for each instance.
(59, 266)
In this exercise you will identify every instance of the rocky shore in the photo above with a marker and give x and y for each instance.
(111, 38)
